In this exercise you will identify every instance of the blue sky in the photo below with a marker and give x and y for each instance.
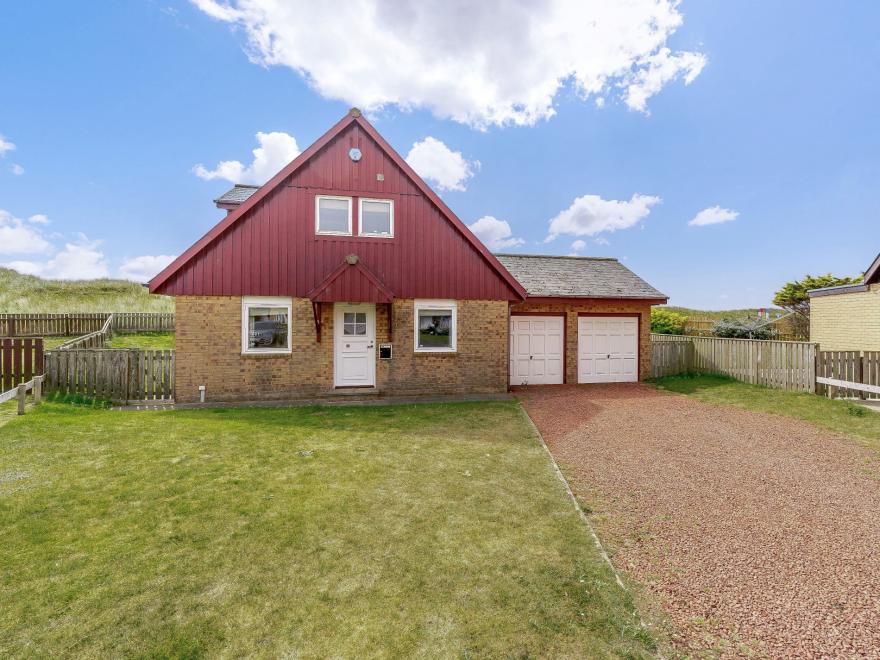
(110, 106)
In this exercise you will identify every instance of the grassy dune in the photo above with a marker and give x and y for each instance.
(22, 294)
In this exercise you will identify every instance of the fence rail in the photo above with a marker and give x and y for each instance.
(71, 325)
(850, 366)
(785, 365)
(115, 374)
(20, 361)
(96, 339)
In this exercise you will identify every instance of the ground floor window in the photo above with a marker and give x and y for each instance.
(265, 325)
(435, 326)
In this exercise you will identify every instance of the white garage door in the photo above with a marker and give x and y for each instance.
(607, 349)
(536, 349)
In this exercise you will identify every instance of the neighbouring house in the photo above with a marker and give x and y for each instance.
(346, 273)
(847, 317)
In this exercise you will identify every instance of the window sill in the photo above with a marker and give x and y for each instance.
(266, 354)
(435, 351)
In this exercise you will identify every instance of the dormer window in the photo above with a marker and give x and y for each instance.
(333, 215)
(376, 217)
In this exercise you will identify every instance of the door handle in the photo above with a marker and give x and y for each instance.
(531, 357)
(370, 346)
(608, 356)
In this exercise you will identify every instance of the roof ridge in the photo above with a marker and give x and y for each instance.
(554, 256)
(245, 185)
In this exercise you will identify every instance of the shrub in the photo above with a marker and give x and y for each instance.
(667, 322)
(744, 329)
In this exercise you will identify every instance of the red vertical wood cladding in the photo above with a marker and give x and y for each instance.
(273, 250)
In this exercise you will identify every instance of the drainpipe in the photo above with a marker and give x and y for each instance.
(201, 393)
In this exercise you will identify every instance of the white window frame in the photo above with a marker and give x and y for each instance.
(437, 305)
(361, 232)
(260, 301)
(318, 231)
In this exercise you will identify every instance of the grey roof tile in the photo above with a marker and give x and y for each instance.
(576, 277)
(238, 194)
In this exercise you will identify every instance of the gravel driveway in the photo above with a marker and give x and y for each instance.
(754, 532)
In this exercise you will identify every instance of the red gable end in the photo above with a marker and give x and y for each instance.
(268, 246)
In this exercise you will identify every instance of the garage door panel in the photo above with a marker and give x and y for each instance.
(537, 350)
(607, 349)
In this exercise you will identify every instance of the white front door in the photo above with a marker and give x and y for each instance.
(608, 349)
(355, 345)
(536, 350)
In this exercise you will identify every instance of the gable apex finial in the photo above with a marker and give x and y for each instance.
(354, 112)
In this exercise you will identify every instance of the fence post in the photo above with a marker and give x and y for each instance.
(22, 392)
(38, 389)
(860, 370)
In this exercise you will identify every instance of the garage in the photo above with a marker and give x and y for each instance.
(537, 350)
(608, 349)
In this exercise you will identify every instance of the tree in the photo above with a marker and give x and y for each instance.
(793, 297)
(667, 322)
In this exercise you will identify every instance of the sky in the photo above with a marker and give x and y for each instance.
(717, 149)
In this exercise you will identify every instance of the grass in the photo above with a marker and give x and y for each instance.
(408, 531)
(23, 294)
(156, 341)
(841, 416)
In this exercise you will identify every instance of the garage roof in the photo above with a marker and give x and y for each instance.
(545, 276)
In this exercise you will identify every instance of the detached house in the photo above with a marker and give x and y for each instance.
(347, 271)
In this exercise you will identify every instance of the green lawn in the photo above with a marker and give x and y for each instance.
(147, 340)
(841, 416)
(408, 531)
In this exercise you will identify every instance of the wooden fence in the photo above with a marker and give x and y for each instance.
(20, 361)
(96, 339)
(850, 366)
(671, 358)
(143, 322)
(785, 365)
(74, 325)
(118, 375)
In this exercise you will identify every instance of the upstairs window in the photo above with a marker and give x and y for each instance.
(376, 217)
(333, 215)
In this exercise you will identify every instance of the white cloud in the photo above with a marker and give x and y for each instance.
(440, 165)
(656, 71)
(713, 215)
(18, 238)
(276, 150)
(16, 169)
(578, 245)
(601, 240)
(39, 219)
(590, 215)
(143, 269)
(5, 146)
(487, 63)
(495, 233)
(80, 260)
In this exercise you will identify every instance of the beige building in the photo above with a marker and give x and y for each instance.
(847, 318)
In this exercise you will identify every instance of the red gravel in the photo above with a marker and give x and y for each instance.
(756, 533)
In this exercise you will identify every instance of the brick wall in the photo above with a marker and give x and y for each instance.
(846, 321)
(571, 328)
(209, 353)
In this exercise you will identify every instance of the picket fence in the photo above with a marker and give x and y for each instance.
(71, 325)
(20, 361)
(119, 375)
(785, 365)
